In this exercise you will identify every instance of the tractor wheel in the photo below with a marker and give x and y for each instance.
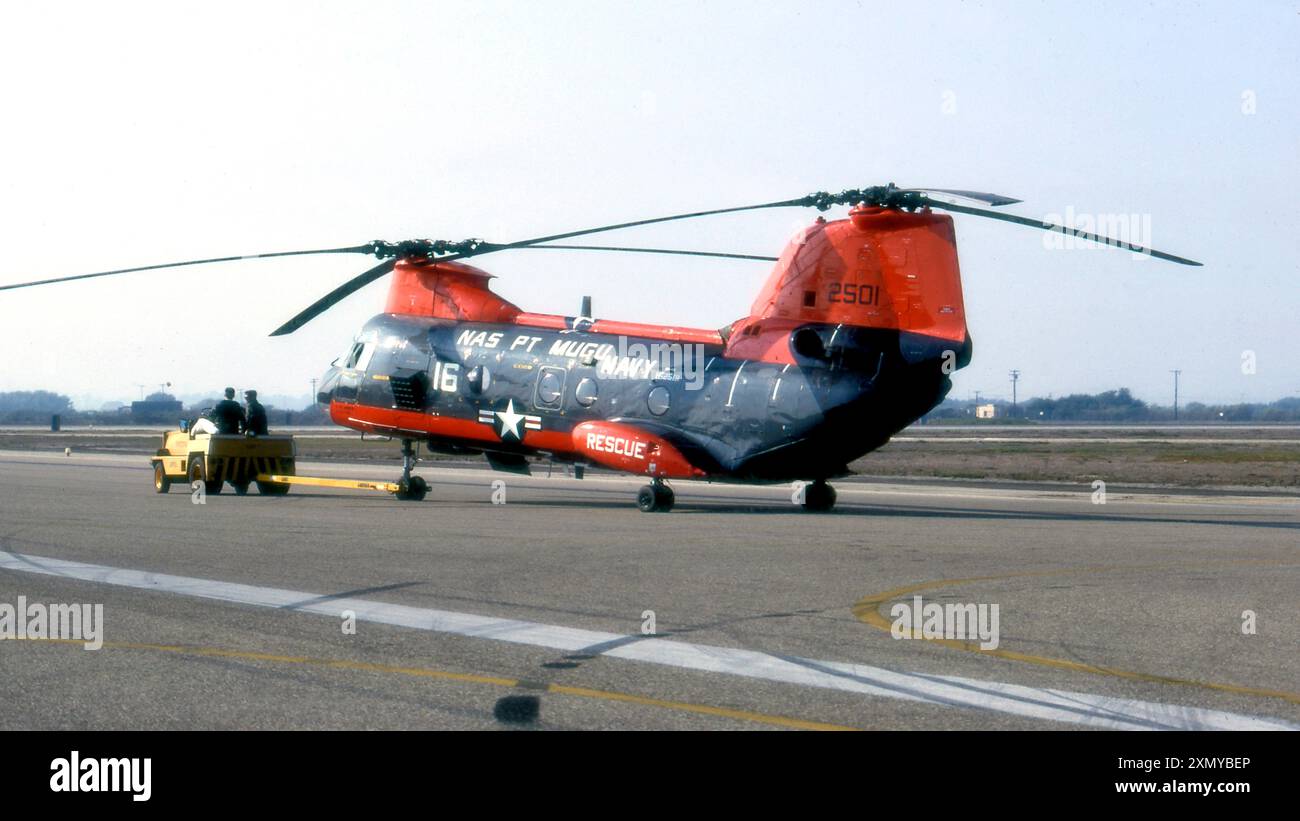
(198, 473)
(272, 489)
(161, 484)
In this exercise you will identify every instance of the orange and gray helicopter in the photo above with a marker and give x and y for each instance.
(854, 336)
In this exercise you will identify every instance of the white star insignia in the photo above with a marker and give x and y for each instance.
(510, 421)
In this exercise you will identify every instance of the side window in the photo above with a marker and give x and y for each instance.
(348, 359)
(361, 354)
(587, 392)
(478, 379)
(550, 388)
(658, 400)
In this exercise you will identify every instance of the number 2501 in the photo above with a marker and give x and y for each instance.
(853, 294)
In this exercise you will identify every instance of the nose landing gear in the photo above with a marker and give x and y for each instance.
(410, 488)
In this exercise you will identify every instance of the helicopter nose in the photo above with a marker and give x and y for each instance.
(328, 383)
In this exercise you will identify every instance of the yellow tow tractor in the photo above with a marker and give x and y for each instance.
(267, 461)
(214, 458)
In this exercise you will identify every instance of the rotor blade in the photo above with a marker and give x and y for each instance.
(1050, 226)
(799, 201)
(324, 303)
(346, 289)
(715, 254)
(359, 249)
(975, 196)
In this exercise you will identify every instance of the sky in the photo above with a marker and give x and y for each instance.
(141, 133)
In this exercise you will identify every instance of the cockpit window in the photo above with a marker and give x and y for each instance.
(359, 357)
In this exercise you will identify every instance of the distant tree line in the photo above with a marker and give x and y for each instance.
(26, 407)
(36, 408)
(1110, 406)
(1120, 406)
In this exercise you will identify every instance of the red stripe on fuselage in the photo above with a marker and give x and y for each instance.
(390, 421)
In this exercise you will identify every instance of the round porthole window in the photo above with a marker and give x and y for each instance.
(549, 388)
(657, 400)
(478, 378)
(586, 392)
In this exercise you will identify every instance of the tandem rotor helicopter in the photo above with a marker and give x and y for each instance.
(853, 337)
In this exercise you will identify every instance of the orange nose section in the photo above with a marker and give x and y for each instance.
(631, 450)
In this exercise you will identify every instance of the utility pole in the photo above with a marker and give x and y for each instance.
(1176, 373)
(313, 390)
(1015, 377)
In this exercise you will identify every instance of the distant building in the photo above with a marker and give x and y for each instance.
(984, 411)
(156, 410)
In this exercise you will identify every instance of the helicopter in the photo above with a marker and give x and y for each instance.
(854, 336)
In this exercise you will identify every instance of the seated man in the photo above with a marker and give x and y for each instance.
(255, 424)
(202, 425)
(228, 415)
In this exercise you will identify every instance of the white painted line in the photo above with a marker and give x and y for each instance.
(1032, 702)
(734, 379)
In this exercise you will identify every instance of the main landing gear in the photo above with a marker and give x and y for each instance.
(655, 497)
(410, 488)
(818, 497)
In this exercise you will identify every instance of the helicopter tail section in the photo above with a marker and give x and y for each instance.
(883, 269)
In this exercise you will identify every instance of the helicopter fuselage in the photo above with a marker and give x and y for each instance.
(511, 391)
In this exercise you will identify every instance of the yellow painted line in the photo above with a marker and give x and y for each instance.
(704, 709)
(315, 481)
(445, 675)
(867, 610)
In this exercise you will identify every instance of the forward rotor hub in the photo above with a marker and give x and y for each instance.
(427, 248)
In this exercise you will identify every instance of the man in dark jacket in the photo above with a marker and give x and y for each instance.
(228, 415)
(256, 419)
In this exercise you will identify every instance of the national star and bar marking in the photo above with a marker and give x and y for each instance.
(507, 421)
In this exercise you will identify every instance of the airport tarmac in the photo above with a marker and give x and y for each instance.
(234, 613)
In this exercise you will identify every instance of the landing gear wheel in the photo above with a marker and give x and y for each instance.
(818, 497)
(656, 498)
(197, 472)
(412, 490)
(241, 488)
(161, 484)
